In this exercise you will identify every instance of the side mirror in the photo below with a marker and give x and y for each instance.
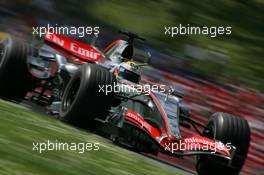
(149, 56)
(151, 105)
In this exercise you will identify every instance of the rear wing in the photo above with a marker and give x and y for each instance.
(81, 50)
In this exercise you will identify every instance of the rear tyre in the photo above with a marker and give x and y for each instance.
(227, 129)
(15, 79)
(83, 100)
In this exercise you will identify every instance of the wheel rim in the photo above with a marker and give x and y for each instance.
(71, 94)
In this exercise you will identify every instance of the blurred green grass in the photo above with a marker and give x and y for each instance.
(244, 47)
(20, 127)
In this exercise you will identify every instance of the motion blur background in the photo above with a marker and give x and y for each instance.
(225, 73)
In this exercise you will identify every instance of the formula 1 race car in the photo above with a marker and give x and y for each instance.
(101, 90)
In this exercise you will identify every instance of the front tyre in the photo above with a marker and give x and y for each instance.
(227, 129)
(82, 99)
